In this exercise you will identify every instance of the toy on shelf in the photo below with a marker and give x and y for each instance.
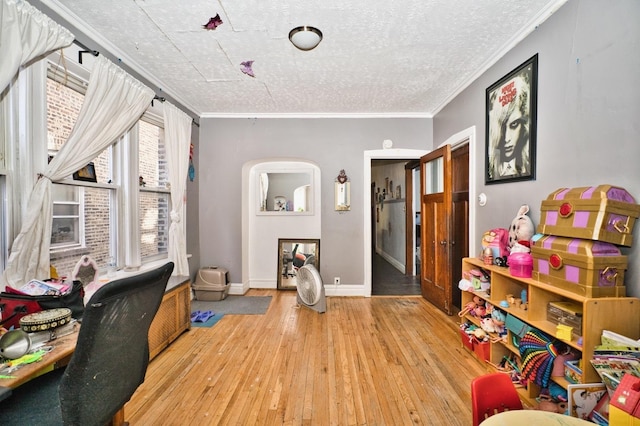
(475, 308)
(487, 256)
(496, 241)
(521, 231)
(517, 302)
(473, 331)
(479, 279)
(494, 321)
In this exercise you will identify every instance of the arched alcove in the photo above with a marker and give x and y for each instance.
(263, 224)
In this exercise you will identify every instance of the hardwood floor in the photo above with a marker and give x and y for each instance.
(366, 361)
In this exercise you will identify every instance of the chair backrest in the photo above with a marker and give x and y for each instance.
(491, 394)
(112, 353)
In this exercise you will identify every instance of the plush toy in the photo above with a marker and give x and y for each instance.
(521, 231)
(494, 320)
(475, 308)
(489, 326)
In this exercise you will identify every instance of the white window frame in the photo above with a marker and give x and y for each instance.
(79, 217)
(23, 121)
(156, 120)
(124, 180)
(76, 77)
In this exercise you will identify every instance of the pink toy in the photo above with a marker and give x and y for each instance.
(476, 308)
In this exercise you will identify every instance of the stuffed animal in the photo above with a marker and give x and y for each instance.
(521, 231)
(494, 320)
(489, 326)
(475, 308)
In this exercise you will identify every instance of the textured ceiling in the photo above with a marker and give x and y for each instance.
(397, 57)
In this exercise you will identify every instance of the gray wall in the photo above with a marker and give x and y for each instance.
(588, 134)
(390, 225)
(588, 110)
(333, 144)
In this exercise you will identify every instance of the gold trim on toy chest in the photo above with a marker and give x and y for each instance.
(585, 267)
(604, 213)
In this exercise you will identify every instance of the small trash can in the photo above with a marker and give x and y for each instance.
(212, 283)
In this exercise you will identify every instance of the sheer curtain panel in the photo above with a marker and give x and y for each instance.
(177, 134)
(113, 103)
(26, 33)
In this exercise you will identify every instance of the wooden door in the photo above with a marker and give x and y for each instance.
(435, 192)
(444, 189)
(459, 217)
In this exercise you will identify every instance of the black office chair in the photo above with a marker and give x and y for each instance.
(109, 362)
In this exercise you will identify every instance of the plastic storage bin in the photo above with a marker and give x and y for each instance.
(212, 283)
(521, 265)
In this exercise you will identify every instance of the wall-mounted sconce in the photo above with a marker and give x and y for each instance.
(342, 192)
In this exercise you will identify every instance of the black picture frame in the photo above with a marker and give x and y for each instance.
(289, 259)
(87, 173)
(511, 112)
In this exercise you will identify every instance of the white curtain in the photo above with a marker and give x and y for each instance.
(264, 190)
(26, 33)
(113, 103)
(177, 136)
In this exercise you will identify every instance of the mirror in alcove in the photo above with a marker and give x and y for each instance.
(285, 192)
(292, 255)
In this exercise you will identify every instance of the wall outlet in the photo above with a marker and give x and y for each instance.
(336, 280)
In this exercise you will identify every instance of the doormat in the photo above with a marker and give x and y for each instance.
(209, 323)
(234, 305)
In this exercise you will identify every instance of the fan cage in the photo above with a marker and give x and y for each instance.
(308, 285)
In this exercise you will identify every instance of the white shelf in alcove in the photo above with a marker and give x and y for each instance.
(283, 213)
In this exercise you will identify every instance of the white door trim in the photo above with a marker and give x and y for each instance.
(466, 136)
(378, 154)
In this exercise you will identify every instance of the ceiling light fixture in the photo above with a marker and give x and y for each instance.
(305, 38)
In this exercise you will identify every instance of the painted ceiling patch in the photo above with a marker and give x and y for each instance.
(245, 67)
(213, 23)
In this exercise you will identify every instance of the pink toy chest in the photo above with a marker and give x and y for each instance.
(588, 268)
(602, 213)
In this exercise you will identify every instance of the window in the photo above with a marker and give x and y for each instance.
(112, 218)
(66, 229)
(83, 213)
(154, 201)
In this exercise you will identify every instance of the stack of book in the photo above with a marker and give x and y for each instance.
(616, 356)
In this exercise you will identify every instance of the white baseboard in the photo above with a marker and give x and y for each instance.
(346, 290)
(396, 264)
(238, 289)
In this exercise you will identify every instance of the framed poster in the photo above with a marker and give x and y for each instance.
(511, 105)
(583, 398)
(87, 173)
